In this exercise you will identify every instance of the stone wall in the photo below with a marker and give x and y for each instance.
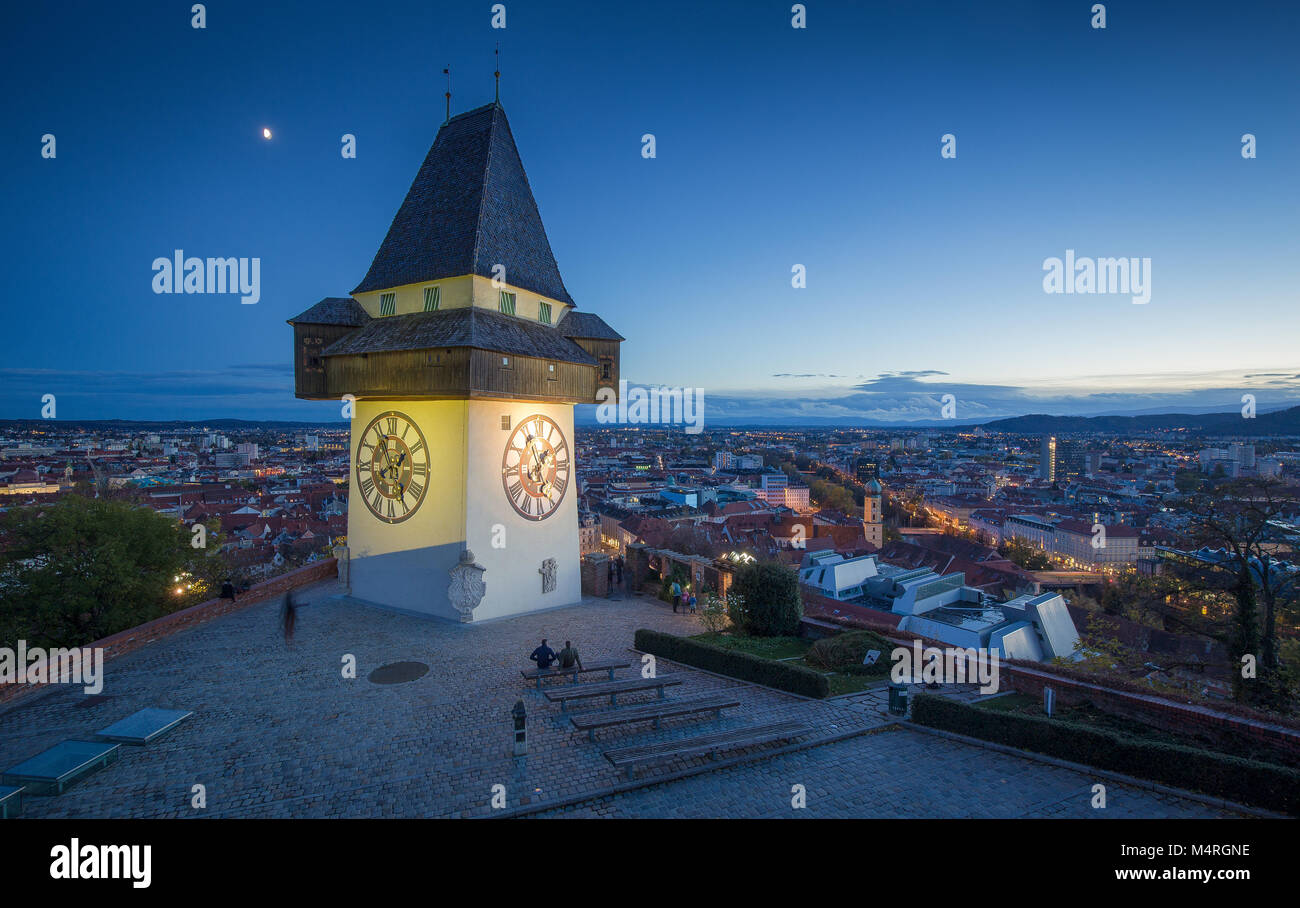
(595, 574)
(1157, 712)
(636, 565)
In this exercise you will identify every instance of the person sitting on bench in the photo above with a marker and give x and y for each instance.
(569, 656)
(543, 655)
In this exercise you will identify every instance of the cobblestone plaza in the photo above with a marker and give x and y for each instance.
(278, 731)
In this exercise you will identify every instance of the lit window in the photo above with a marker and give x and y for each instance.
(432, 296)
(388, 304)
(507, 303)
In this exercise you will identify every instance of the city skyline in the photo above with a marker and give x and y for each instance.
(909, 296)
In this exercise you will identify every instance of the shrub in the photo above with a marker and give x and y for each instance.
(676, 575)
(713, 613)
(845, 652)
(796, 679)
(1236, 778)
(771, 595)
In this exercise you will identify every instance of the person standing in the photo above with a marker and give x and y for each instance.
(288, 617)
(677, 595)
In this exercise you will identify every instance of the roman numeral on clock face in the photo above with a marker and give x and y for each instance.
(535, 467)
(392, 467)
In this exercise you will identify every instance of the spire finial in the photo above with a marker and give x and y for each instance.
(497, 73)
(447, 72)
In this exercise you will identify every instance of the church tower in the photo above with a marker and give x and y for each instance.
(461, 356)
(873, 515)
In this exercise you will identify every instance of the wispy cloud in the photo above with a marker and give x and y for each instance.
(265, 391)
(918, 396)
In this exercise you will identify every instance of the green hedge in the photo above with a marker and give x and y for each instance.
(1237, 779)
(796, 679)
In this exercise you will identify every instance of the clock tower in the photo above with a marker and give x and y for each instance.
(873, 514)
(461, 356)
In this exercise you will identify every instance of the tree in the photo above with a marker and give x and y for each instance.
(1241, 520)
(770, 591)
(79, 569)
(1024, 555)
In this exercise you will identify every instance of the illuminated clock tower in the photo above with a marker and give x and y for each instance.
(465, 356)
(873, 515)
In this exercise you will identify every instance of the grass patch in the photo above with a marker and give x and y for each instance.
(782, 674)
(851, 684)
(763, 647)
(848, 679)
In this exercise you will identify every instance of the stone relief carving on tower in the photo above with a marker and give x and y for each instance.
(467, 586)
(547, 570)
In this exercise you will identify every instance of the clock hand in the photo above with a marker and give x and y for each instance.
(532, 450)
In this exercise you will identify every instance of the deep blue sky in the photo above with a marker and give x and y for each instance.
(776, 146)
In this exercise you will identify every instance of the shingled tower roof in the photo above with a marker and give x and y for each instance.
(470, 208)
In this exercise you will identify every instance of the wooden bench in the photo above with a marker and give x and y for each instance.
(632, 757)
(664, 709)
(611, 689)
(538, 674)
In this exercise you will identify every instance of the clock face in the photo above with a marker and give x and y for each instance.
(392, 467)
(536, 467)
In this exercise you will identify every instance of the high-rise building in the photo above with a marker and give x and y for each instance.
(1071, 463)
(1047, 459)
(866, 469)
(1092, 463)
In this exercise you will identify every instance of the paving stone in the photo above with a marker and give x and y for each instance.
(278, 732)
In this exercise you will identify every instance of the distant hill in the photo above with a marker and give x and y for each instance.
(162, 426)
(1279, 422)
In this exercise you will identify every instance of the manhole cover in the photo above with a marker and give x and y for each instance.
(398, 672)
